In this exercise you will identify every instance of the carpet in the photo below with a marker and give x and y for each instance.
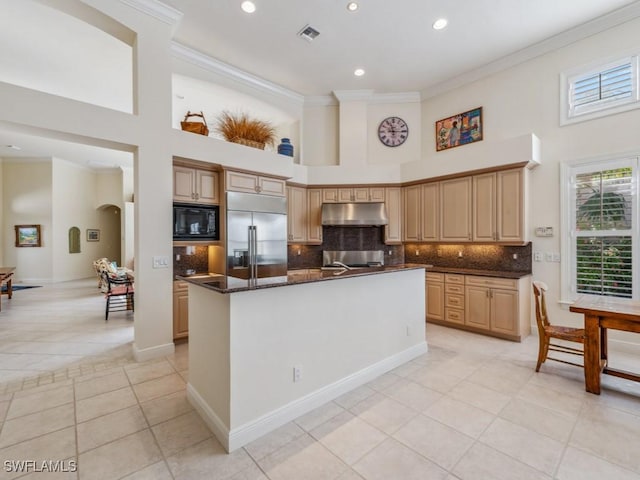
(19, 287)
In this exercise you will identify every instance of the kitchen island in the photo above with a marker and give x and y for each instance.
(263, 352)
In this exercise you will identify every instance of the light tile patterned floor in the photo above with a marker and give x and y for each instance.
(471, 408)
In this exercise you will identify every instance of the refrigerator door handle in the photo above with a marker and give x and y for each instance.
(255, 251)
(253, 257)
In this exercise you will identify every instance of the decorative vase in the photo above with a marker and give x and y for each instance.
(285, 148)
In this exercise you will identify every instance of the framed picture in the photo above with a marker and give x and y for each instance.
(93, 235)
(459, 129)
(28, 236)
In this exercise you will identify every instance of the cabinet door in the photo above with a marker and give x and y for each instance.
(510, 206)
(296, 214)
(314, 215)
(430, 207)
(183, 183)
(484, 208)
(377, 194)
(180, 310)
(363, 195)
(411, 213)
(207, 187)
(345, 195)
(393, 205)
(329, 195)
(241, 182)
(435, 300)
(455, 210)
(504, 311)
(272, 186)
(477, 307)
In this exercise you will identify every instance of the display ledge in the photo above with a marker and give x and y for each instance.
(225, 284)
(480, 273)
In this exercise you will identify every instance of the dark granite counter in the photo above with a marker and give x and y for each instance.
(482, 273)
(225, 284)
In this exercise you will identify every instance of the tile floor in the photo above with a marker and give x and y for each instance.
(471, 408)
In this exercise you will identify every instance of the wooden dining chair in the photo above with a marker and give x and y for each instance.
(546, 331)
(119, 294)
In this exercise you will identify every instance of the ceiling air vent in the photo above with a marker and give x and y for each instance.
(308, 33)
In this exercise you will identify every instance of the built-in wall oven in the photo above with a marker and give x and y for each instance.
(195, 222)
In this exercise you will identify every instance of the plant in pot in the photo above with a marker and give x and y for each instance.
(240, 128)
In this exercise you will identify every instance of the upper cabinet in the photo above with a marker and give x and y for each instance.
(314, 216)
(499, 206)
(194, 185)
(455, 210)
(393, 204)
(296, 214)
(356, 195)
(252, 183)
(421, 212)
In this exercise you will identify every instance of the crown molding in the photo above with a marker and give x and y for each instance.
(353, 95)
(156, 9)
(210, 64)
(593, 27)
(403, 97)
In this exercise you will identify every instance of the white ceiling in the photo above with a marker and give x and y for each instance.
(392, 40)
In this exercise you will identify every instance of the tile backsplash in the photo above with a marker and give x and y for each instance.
(198, 260)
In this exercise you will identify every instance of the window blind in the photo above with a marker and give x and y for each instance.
(603, 87)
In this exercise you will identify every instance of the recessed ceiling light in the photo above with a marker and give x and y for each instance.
(440, 23)
(352, 6)
(358, 72)
(248, 7)
(13, 147)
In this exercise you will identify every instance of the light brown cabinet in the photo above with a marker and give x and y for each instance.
(421, 212)
(454, 298)
(499, 210)
(393, 205)
(456, 210)
(314, 216)
(252, 183)
(180, 309)
(296, 214)
(194, 185)
(355, 194)
(435, 307)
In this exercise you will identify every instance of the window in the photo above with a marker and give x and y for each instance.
(600, 90)
(602, 253)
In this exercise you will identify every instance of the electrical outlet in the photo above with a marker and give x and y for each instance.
(460, 254)
(417, 253)
(177, 257)
(297, 373)
(299, 252)
(515, 256)
(439, 252)
(537, 256)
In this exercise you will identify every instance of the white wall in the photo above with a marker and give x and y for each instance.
(27, 187)
(320, 135)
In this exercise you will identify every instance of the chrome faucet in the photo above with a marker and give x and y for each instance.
(340, 264)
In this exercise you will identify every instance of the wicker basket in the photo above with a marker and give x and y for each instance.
(248, 143)
(195, 127)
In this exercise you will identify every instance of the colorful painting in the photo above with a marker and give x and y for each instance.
(27, 235)
(459, 129)
(93, 235)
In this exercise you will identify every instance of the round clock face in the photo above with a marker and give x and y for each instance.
(393, 131)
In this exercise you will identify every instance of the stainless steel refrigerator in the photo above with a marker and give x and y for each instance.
(256, 235)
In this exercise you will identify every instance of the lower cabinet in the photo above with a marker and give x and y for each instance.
(180, 309)
(434, 294)
(491, 305)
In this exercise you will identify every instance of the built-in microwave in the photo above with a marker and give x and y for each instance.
(195, 222)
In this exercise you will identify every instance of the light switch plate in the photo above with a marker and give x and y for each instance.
(160, 262)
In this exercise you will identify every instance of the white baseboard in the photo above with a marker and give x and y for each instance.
(144, 354)
(240, 436)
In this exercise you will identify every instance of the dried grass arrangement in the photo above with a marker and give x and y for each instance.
(239, 128)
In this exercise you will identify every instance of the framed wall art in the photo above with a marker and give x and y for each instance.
(459, 129)
(28, 236)
(93, 235)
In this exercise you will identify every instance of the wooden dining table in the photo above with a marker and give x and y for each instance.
(6, 278)
(600, 314)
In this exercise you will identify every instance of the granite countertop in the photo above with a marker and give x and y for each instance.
(473, 271)
(226, 284)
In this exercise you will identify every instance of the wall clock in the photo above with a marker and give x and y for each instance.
(393, 131)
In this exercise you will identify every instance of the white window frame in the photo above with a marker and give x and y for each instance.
(568, 170)
(597, 110)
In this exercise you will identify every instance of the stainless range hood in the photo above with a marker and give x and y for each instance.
(354, 214)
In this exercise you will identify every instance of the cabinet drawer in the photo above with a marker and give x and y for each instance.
(452, 278)
(493, 282)
(435, 277)
(180, 286)
(457, 289)
(454, 315)
(452, 300)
